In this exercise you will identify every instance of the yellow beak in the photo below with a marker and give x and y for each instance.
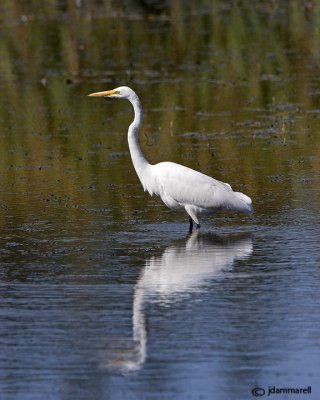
(103, 94)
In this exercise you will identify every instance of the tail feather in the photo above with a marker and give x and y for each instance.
(244, 203)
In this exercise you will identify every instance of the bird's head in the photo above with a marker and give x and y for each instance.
(122, 92)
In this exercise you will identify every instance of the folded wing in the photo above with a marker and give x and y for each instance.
(189, 187)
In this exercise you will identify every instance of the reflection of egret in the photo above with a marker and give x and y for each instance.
(179, 187)
(182, 269)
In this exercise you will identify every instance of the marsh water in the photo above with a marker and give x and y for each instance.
(103, 293)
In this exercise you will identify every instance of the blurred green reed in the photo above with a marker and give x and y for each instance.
(230, 88)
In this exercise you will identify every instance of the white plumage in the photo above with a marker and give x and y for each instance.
(179, 187)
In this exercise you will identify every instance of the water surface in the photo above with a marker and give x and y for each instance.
(104, 294)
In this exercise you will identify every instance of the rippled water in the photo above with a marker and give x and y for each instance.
(154, 313)
(104, 294)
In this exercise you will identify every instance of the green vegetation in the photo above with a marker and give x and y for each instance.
(230, 88)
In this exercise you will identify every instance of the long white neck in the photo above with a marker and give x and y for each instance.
(139, 161)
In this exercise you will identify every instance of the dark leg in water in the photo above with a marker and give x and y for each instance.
(191, 225)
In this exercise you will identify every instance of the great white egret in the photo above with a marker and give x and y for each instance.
(179, 187)
(186, 267)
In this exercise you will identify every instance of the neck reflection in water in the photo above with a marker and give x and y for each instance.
(184, 268)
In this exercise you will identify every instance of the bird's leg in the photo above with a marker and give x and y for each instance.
(191, 225)
(193, 217)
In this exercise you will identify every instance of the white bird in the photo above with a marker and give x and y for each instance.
(178, 186)
(185, 267)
